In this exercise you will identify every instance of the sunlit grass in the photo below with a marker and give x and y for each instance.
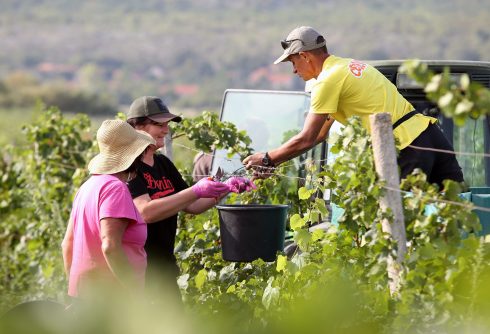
(11, 125)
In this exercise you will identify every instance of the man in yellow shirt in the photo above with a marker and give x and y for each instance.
(345, 88)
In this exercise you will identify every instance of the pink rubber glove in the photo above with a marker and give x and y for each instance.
(239, 184)
(206, 188)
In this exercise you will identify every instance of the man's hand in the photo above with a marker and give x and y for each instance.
(254, 162)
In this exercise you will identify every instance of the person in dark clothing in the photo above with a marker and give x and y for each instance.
(160, 193)
(202, 166)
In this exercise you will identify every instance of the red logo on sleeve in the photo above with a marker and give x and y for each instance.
(356, 68)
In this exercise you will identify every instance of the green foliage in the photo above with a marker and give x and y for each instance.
(38, 182)
(354, 170)
(458, 100)
(466, 103)
(207, 132)
(335, 280)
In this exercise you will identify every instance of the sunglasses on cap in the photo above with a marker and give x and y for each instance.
(287, 43)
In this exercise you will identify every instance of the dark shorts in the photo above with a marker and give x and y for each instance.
(438, 166)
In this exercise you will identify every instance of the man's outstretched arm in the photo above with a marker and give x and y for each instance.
(314, 131)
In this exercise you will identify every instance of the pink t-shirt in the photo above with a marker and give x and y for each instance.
(103, 196)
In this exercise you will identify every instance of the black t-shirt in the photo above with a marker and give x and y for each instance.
(160, 180)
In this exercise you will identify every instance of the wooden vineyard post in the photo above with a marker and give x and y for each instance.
(387, 169)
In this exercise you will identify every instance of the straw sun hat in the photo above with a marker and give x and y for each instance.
(119, 146)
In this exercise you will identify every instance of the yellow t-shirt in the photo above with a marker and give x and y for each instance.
(348, 87)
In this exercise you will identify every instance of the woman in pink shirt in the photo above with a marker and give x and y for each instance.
(103, 248)
(104, 241)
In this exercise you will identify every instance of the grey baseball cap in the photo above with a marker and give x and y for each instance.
(153, 108)
(300, 39)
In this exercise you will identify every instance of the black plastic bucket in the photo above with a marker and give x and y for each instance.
(253, 231)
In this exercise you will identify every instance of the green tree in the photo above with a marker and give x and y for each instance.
(38, 182)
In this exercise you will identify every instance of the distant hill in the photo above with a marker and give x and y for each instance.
(190, 51)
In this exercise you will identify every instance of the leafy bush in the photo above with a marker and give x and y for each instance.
(337, 281)
(38, 182)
